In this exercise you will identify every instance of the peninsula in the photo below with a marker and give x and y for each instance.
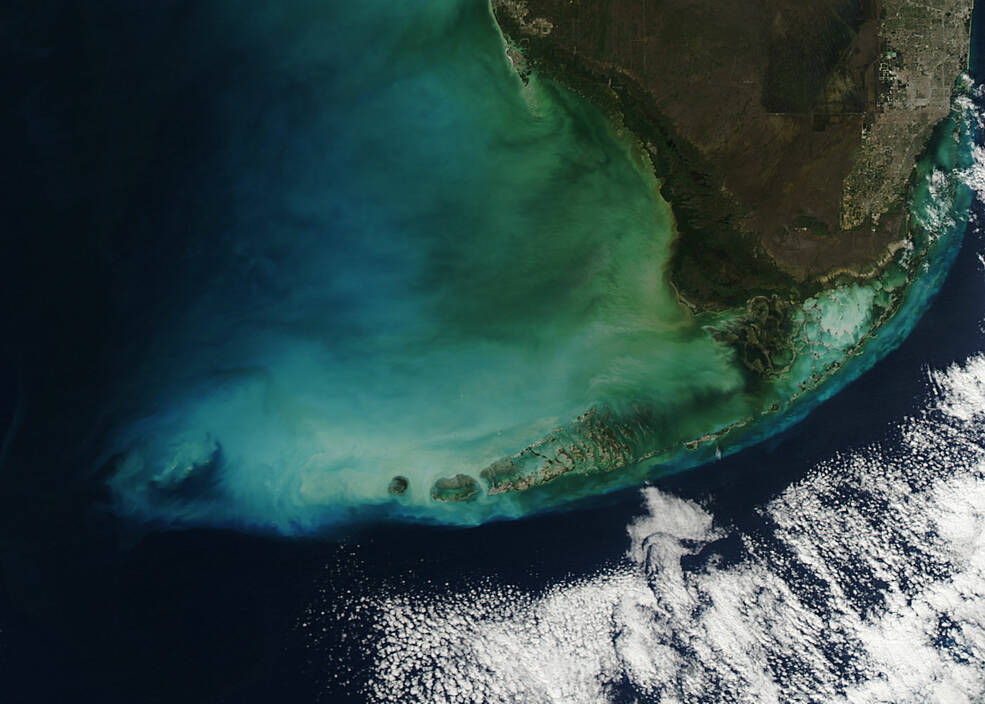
(785, 135)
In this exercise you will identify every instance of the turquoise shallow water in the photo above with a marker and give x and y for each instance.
(160, 263)
(420, 265)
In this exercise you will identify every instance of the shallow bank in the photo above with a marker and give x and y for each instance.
(457, 276)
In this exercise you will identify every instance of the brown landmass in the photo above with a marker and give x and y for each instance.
(785, 131)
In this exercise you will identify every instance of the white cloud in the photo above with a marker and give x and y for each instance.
(866, 585)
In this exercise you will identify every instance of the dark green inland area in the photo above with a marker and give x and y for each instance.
(715, 264)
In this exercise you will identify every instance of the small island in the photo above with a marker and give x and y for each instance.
(398, 485)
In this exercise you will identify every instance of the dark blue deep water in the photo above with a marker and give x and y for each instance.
(114, 174)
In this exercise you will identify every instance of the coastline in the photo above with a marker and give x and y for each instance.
(925, 257)
(651, 431)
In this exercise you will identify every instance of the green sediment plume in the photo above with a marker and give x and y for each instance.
(794, 349)
(454, 302)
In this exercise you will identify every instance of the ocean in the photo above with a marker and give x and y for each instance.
(190, 176)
